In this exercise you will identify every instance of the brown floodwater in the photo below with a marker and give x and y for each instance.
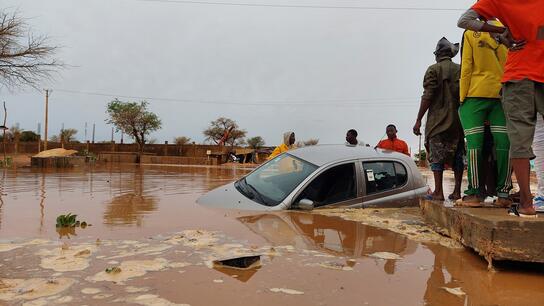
(147, 224)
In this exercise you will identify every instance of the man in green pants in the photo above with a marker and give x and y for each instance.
(482, 66)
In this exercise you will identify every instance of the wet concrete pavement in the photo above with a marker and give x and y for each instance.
(148, 225)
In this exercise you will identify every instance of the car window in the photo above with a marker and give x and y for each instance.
(382, 176)
(275, 180)
(335, 185)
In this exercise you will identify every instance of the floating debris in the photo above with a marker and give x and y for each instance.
(286, 291)
(113, 270)
(148, 300)
(335, 266)
(385, 256)
(455, 291)
(241, 263)
(90, 291)
(131, 269)
(67, 260)
(30, 289)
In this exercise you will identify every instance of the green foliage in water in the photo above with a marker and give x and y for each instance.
(68, 220)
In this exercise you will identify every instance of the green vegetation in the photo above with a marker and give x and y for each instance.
(180, 141)
(225, 130)
(70, 220)
(133, 119)
(255, 142)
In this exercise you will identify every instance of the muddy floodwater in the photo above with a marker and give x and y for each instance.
(148, 243)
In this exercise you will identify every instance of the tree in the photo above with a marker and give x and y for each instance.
(180, 141)
(65, 135)
(29, 136)
(25, 59)
(222, 127)
(133, 119)
(255, 142)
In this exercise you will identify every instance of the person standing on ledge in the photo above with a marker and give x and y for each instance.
(523, 79)
(482, 66)
(444, 139)
(392, 142)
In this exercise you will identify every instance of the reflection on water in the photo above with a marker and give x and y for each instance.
(330, 234)
(449, 268)
(130, 207)
(110, 197)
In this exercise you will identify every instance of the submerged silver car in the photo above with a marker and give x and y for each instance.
(325, 176)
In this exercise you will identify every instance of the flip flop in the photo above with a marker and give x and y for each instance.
(514, 211)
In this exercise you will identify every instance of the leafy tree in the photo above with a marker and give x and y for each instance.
(225, 126)
(29, 136)
(68, 135)
(133, 119)
(182, 140)
(255, 142)
(25, 59)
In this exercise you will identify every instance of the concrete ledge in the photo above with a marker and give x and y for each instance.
(489, 231)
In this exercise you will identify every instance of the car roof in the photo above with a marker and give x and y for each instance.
(324, 154)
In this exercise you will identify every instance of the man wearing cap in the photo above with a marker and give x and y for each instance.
(444, 139)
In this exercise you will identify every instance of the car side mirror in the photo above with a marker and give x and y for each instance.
(305, 204)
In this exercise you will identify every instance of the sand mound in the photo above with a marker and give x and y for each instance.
(56, 153)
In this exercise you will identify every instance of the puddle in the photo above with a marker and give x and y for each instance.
(159, 248)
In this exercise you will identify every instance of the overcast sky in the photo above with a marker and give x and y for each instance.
(329, 69)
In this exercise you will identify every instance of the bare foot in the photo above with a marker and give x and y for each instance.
(435, 196)
(528, 210)
(455, 196)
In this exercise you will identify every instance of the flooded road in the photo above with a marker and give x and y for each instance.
(160, 245)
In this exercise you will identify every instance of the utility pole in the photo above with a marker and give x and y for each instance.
(46, 118)
(93, 132)
(39, 132)
(85, 131)
(62, 136)
(112, 134)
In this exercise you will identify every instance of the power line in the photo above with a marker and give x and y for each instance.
(374, 8)
(284, 103)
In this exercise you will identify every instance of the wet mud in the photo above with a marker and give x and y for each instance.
(150, 244)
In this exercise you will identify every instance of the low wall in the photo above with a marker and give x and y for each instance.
(129, 157)
(178, 160)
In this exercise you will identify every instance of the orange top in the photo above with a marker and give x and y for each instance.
(394, 145)
(525, 20)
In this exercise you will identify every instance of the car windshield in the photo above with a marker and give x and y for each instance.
(274, 181)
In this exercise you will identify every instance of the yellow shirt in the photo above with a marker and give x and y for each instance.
(482, 66)
(278, 150)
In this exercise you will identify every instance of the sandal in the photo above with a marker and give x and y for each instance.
(514, 211)
(469, 201)
(503, 203)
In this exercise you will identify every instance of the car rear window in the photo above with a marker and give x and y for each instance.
(382, 176)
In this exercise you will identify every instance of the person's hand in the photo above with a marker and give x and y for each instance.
(512, 44)
(417, 128)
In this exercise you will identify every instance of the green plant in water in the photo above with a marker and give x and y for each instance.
(68, 220)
